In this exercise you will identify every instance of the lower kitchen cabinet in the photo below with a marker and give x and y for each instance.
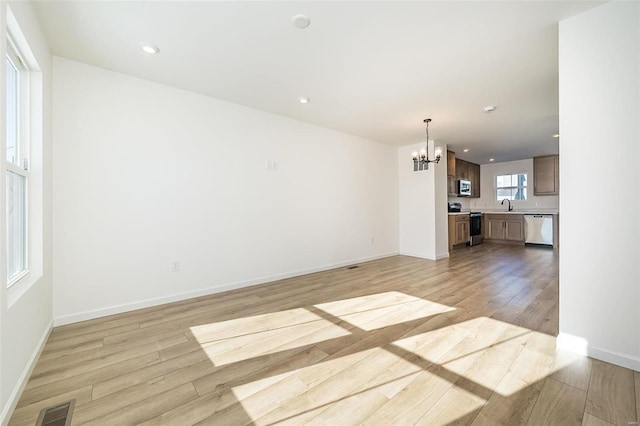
(495, 228)
(507, 228)
(458, 230)
(462, 232)
(514, 230)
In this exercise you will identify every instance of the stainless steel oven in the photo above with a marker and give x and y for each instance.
(475, 228)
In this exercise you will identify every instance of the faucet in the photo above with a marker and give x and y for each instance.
(508, 201)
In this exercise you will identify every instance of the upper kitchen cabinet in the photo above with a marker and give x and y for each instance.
(459, 169)
(474, 177)
(452, 180)
(452, 186)
(451, 163)
(462, 169)
(546, 175)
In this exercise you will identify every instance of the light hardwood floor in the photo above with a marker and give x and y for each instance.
(465, 340)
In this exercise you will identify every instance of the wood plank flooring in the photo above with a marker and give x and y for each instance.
(401, 340)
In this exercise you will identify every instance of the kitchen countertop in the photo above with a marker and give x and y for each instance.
(506, 212)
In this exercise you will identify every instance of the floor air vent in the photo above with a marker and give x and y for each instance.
(352, 267)
(60, 415)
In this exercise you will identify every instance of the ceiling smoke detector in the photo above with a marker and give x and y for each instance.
(301, 21)
(489, 108)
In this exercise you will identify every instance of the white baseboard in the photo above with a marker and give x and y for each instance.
(581, 346)
(424, 255)
(126, 307)
(7, 410)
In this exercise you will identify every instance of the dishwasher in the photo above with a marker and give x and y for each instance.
(538, 229)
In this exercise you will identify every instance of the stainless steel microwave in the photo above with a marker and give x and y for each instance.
(464, 187)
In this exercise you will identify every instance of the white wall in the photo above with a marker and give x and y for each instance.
(145, 175)
(25, 308)
(599, 251)
(487, 201)
(423, 207)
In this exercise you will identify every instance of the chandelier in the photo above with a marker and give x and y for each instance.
(421, 160)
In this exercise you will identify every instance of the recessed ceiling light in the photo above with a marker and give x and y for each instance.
(301, 21)
(556, 135)
(149, 48)
(465, 150)
(489, 108)
(492, 159)
(304, 100)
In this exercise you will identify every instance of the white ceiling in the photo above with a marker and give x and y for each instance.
(373, 69)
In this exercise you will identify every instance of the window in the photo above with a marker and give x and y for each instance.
(16, 162)
(512, 187)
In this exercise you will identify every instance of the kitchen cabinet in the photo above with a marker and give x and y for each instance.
(546, 179)
(462, 169)
(474, 177)
(452, 179)
(514, 229)
(452, 186)
(495, 228)
(462, 232)
(459, 169)
(505, 228)
(458, 229)
(451, 163)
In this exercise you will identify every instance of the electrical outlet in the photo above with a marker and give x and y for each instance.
(272, 165)
(175, 266)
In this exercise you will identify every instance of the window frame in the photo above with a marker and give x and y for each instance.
(516, 187)
(21, 164)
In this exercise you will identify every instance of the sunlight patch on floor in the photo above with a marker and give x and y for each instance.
(452, 407)
(301, 390)
(382, 310)
(247, 325)
(264, 335)
(484, 350)
(339, 399)
(340, 390)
